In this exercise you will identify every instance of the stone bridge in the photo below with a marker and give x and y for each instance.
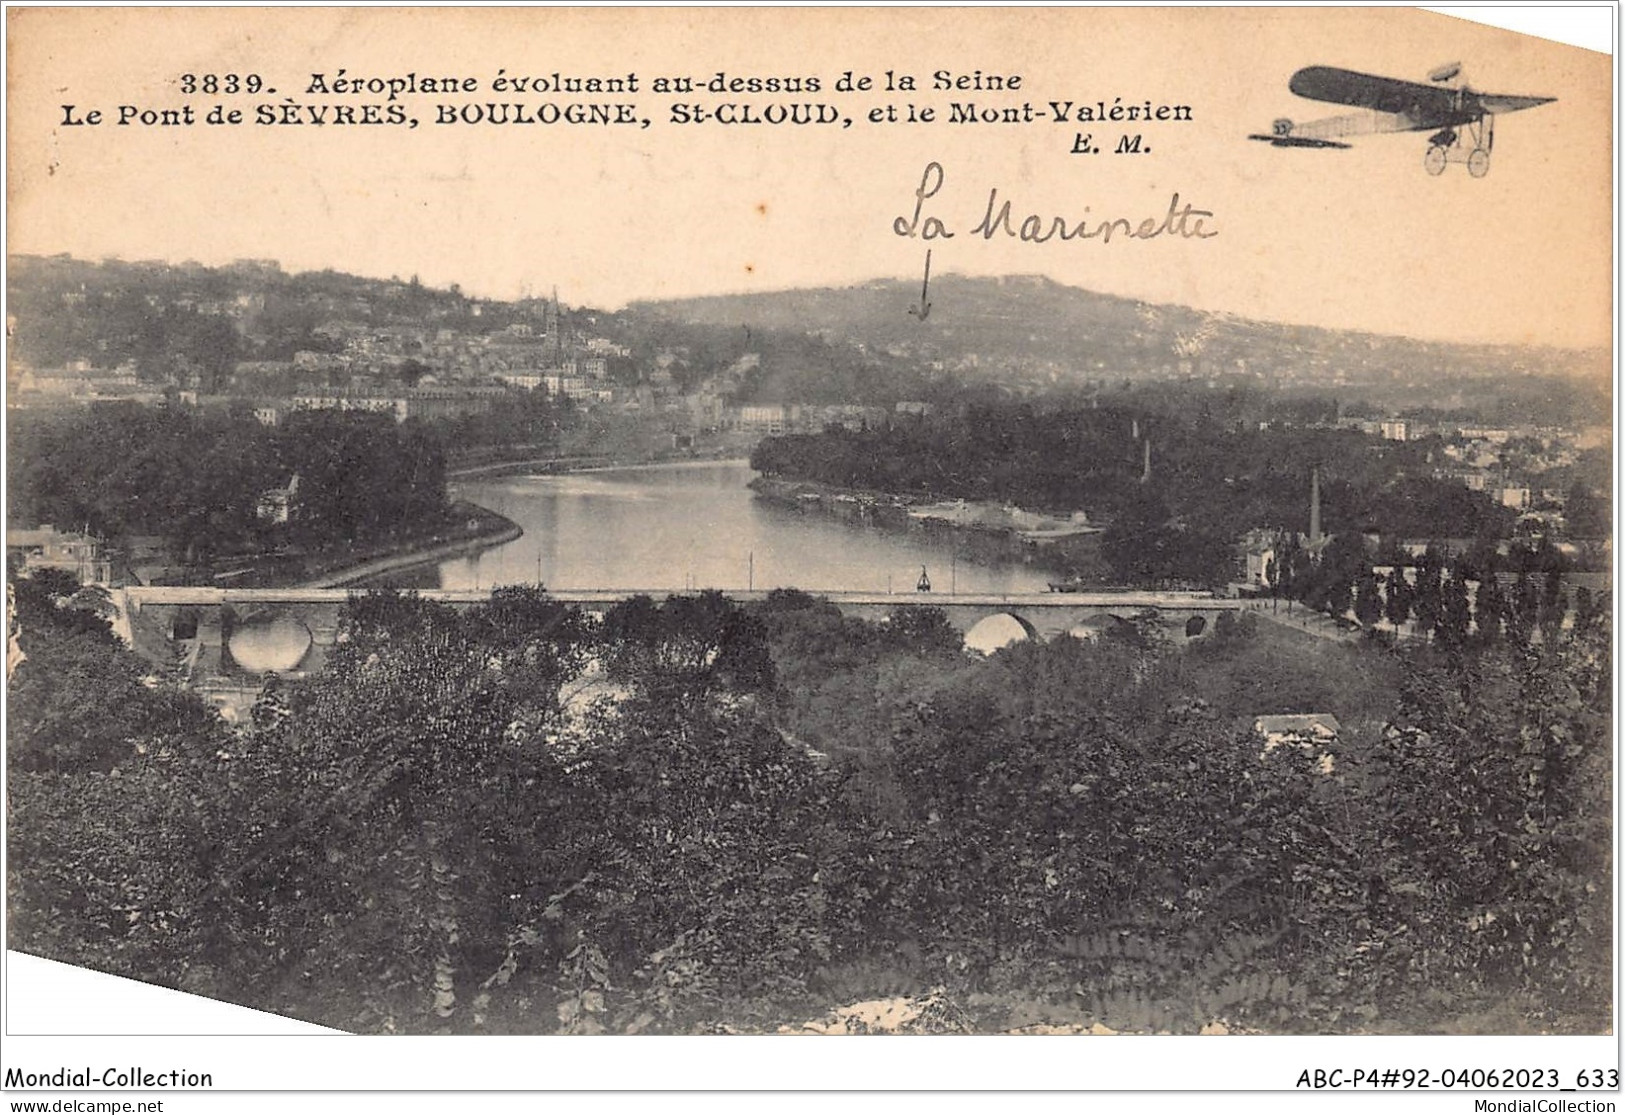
(226, 640)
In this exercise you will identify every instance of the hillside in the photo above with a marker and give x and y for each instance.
(189, 324)
(1031, 329)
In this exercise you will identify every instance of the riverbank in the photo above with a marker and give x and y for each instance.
(492, 530)
(526, 465)
(465, 528)
(978, 533)
(548, 466)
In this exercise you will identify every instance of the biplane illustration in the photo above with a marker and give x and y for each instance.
(1462, 119)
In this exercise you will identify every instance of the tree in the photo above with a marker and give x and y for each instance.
(686, 647)
(111, 870)
(1553, 604)
(1291, 561)
(1141, 544)
(1397, 605)
(411, 370)
(1493, 821)
(1552, 617)
(113, 782)
(1525, 612)
(718, 865)
(1056, 797)
(1303, 576)
(422, 777)
(1490, 606)
(1586, 514)
(80, 700)
(196, 478)
(1455, 612)
(1585, 610)
(1427, 602)
(922, 629)
(1367, 601)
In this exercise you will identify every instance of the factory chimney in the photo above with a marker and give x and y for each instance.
(1314, 506)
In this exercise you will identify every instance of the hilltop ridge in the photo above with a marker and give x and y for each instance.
(1033, 329)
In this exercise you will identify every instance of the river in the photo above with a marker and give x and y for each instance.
(670, 528)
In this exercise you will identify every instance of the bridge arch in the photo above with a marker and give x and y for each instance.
(997, 630)
(275, 643)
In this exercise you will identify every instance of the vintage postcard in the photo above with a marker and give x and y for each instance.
(627, 523)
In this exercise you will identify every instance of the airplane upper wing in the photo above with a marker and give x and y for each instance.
(1422, 106)
(1499, 102)
(1380, 94)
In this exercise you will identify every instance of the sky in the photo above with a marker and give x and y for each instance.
(1359, 239)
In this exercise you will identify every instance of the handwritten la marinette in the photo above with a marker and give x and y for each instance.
(1183, 221)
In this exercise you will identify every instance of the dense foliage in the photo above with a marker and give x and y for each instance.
(690, 815)
(1207, 484)
(196, 478)
(1478, 598)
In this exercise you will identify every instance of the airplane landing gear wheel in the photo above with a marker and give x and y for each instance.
(1434, 160)
(1478, 163)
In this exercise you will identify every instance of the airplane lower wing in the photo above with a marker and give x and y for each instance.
(1300, 141)
(1326, 132)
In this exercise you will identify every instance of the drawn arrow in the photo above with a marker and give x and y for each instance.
(923, 310)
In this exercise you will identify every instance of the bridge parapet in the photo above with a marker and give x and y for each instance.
(203, 626)
(174, 595)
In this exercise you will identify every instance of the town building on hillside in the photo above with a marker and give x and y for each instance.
(1312, 733)
(77, 380)
(451, 401)
(1495, 435)
(1517, 498)
(1446, 548)
(527, 381)
(569, 385)
(83, 555)
(353, 400)
(403, 403)
(768, 419)
(1259, 548)
(276, 505)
